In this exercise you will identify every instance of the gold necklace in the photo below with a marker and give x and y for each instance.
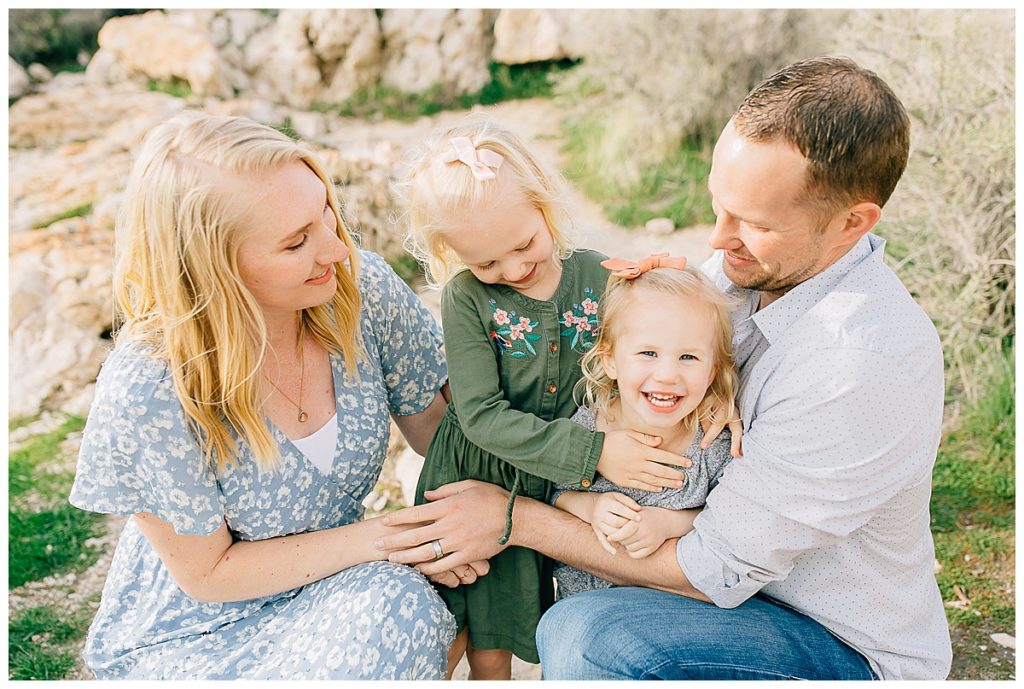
(303, 416)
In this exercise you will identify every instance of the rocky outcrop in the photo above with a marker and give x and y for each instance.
(60, 308)
(315, 55)
(151, 45)
(446, 47)
(535, 35)
(18, 82)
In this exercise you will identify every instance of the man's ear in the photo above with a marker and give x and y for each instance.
(858, 220)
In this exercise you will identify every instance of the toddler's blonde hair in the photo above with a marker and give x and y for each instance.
(433, 191)
(599, 391)
(177, 285)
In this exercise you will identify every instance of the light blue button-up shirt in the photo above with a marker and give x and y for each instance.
(841, 395)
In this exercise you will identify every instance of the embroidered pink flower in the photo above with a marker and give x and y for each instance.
(582, 325)
(501, 317)
(589, 307)
(524, 325)
(517, 332)
(567, 318)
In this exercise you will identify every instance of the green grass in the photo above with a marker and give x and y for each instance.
(49, 536)
(973, 510)
(35, 637)
(178, 88)
(408, 268)
(77, 212)
(507, 82)
(675, 187)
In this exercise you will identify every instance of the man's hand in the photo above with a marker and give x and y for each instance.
(465, 518)
(633, 460)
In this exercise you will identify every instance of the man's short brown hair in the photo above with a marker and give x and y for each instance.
(846, 121)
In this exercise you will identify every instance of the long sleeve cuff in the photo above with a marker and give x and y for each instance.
(710, 575)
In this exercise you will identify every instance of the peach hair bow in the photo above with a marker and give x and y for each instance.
(628, 270)
(479, 160)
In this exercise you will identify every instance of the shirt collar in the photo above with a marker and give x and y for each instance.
(776, 318)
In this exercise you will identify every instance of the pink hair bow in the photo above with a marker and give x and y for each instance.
(479, 160)
(628, 270)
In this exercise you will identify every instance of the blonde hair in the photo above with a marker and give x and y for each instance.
(433, 191)
(177, 286)
(599, 391)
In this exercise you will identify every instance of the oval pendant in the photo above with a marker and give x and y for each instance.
(303, 416)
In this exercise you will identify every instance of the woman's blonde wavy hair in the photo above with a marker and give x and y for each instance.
(177, 286)
(599, 391)
(433, 191)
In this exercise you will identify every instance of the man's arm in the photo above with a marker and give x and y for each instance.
(468, 517)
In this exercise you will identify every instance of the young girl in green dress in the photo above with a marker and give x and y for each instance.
(519, 310)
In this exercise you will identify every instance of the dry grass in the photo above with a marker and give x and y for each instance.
(951, 221)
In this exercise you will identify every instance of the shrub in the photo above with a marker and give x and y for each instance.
(950, 222)
(653, 79)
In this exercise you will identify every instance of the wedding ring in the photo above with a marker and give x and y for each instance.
(438, 552)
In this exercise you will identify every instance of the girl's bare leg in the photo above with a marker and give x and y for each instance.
(489, 664)
(457, 650)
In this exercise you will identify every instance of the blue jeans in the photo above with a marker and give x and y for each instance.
(638, 633)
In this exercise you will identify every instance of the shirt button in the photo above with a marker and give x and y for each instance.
(585, 483)
(553, 348)
(552, 388)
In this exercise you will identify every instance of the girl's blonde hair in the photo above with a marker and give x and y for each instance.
(599, 390)
(177, 286)
(433, 191)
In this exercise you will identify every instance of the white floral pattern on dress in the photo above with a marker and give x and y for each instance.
(371, 621)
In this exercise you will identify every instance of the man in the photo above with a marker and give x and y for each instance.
(815, 547)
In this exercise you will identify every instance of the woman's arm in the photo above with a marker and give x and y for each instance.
(419, 428)
(216, 568)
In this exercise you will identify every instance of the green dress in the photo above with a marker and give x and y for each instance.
(513, 363)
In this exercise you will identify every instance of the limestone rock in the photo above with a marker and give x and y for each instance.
(39, 73)
(73, 148)
(1004, 640)
(429, 47)
(533, 35)
(314, 55)
(61, 304)
(18, 82)
(660, 226)
(153, 45)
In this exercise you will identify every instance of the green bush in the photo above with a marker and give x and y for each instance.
(55, 37)
(950, 223)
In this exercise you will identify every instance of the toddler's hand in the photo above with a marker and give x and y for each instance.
(611, 511)
(633, 460)
(643, 536)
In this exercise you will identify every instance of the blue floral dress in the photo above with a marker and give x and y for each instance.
(371, 621)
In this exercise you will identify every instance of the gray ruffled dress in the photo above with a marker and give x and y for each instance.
(701, 477)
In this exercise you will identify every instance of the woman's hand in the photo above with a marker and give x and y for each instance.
(465, 574)
(610, 513)
(632, 460)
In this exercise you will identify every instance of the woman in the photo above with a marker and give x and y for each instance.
(242, 418)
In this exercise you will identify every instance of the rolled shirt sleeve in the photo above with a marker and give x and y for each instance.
(832, 442)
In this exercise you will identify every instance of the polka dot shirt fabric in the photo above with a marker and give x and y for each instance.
(827, 511)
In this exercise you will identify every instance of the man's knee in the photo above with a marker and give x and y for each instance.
(563, 629)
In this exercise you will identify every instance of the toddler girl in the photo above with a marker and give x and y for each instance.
(519, 310)
(661, 365)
